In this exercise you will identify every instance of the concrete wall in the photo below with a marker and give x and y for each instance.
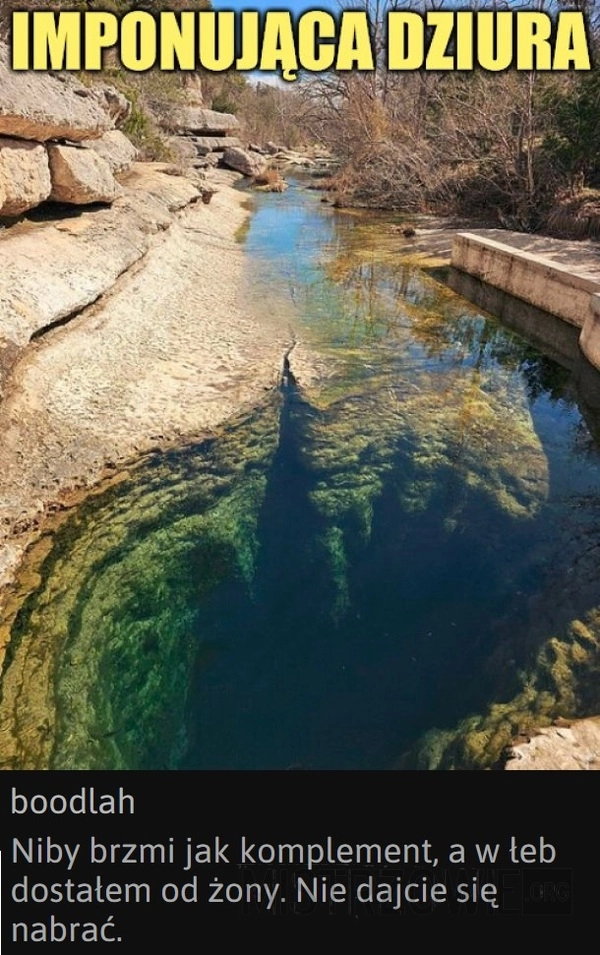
(589, 340)
(541, 282)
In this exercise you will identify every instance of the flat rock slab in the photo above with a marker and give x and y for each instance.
(194, 119)
(44, 106)
(209, 144)
(573, 746)
(51, 270)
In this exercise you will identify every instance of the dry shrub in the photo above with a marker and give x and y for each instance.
(270, 177)
(575, 216)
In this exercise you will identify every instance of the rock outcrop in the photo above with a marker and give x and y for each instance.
(201, 134)
(574, 745)
(43, 119)
(83, 256)
(204, 122)
(42, 106)
(24, 176)
(213, 144)
(244, 161)
(80, 176)
(112, 102)
(116, 150)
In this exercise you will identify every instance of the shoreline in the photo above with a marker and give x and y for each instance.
(91, 400)
(166, 356)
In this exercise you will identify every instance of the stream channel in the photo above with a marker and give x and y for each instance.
(394, 566)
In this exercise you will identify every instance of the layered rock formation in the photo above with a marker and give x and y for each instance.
(202, 135)
(24, 175)
(58, 140)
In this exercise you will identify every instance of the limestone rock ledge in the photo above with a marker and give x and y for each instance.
(83, 254)
(43, 119)
(145, 336)
(24, 176)
(569, 746)
(42, 106)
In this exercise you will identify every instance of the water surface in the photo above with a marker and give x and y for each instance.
(394, 566)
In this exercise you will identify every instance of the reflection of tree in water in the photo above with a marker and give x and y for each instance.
(403, 527)
(464, 421)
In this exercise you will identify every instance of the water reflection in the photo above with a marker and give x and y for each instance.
(394, 567)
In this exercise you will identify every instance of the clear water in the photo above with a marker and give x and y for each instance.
(392, 565)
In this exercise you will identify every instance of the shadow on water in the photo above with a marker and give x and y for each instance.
(395, 567)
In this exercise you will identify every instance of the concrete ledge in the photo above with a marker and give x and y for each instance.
(559, 289)
(589, 340)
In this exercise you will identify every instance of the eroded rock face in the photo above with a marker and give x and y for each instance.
(24, 176)
(249, 164)
(112, 102)
(82, 255)
(42, 106)
(208, 144)
(207, 122)
(116, 150)
(80, 176)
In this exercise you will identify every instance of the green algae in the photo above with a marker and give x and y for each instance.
(421, 436)
(101, 652)
(562, 682)
(448, 429)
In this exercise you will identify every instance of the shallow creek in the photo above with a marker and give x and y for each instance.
(394, 566)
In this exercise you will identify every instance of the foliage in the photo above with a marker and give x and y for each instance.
(503, 146)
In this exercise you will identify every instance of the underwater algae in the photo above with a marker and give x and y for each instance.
(392, 566)
(101, 651)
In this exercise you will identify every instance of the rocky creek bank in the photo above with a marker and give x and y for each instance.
(126, 323)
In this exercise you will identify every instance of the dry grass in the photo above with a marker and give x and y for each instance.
(267, 178)
(270, 180)
(576, 216)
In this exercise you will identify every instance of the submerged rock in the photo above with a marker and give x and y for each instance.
(118, 594)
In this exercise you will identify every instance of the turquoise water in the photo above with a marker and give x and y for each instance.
(393, 565)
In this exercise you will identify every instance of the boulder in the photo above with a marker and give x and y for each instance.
(80, 176)
(114, 147)
(24, 176)
(211, 144)
(182, 148)
(208, 122)
(42, 106)
(249, 164)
